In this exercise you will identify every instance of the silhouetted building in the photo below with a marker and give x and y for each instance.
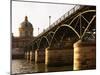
(25, 36)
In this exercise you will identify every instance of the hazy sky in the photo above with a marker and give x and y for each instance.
(38, 14)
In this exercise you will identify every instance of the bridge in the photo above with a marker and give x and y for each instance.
(71, 40)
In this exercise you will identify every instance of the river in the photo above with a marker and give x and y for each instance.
(24, 67)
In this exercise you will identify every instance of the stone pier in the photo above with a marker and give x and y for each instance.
(40, 56)
(25, 55)
(59, 57)
(32, 56)
(84, 55)
(28, 56)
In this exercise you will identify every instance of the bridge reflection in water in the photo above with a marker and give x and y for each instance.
(22, 66)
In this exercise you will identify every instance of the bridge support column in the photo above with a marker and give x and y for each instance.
(25, 55)
(28, 56)
(84, 55)
(59, 57)
(32, 56)
(40, 56)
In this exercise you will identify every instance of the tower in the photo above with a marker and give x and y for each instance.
(26, 28)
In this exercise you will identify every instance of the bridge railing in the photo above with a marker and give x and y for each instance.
(61, 19)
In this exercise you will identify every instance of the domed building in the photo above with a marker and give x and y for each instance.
(25, 37)
(26, 29)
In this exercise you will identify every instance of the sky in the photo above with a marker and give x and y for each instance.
(38, 14)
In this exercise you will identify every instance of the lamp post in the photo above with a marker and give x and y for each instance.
(49, 20)
(38, 30)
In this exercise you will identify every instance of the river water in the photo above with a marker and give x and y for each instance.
(22, 67)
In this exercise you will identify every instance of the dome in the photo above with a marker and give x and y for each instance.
(26, 28)
(26, 23)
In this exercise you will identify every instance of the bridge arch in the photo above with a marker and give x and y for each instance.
(65, 31)
(35, 46)
(88, 11)
(83, 21)
(43, 42)
(50, 33)
(49, 36)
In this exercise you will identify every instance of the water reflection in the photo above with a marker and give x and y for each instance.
(22, 66)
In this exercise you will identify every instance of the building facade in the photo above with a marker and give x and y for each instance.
(25, 36)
